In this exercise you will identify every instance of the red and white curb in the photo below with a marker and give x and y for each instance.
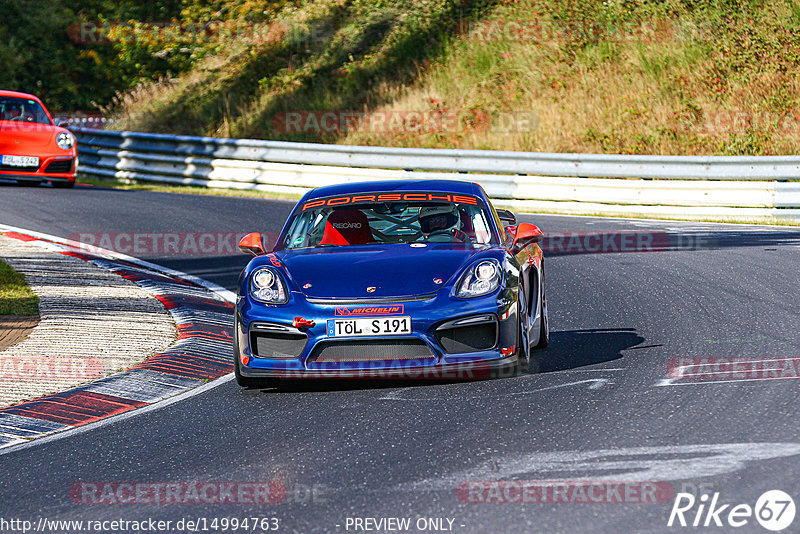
(203, 313)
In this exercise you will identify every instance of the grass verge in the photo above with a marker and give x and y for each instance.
(16, 297)
(630, 77)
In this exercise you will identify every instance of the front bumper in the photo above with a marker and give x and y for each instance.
(56, 168)
(425, 353)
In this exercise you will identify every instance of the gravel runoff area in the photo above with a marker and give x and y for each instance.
(93, 323)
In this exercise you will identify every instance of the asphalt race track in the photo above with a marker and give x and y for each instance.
(604, 409)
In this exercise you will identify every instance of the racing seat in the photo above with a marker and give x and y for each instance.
(346, 227)
(466, 224)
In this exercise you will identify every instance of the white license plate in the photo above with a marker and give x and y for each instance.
(20, 161)
(382, 326)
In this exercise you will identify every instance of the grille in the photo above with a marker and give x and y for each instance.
(373, 350)
(277, 345)
(60, 165)
(16, 168)
(472, 338)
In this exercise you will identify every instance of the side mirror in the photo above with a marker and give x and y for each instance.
(506, 217)
(527, 233)
(253, 244)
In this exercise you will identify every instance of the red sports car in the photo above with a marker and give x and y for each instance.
(32, 148)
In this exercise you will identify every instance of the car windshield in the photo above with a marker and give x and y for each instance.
(389, 223)
(22, 110)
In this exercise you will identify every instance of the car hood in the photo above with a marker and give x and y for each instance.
(393, 270)
(20, 137)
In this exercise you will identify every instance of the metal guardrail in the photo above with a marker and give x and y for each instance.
(691, 186)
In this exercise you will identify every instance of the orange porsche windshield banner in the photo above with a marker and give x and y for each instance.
(391, 197)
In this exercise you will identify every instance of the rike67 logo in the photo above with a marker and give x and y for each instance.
(774, 510)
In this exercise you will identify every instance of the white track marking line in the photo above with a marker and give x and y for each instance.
(597, 383)
(672, 381)
(592, 370)
(119, 417)
(395, 395)
(631, 464)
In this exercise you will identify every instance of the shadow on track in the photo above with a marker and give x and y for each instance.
(570, 349)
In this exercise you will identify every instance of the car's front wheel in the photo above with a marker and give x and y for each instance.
(523, 352)
(244, 381)
(544, 321)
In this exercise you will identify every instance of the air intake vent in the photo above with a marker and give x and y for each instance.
(59, 166)
(282, 346)
(468, 338)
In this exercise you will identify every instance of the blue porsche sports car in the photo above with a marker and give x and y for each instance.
(393, 279)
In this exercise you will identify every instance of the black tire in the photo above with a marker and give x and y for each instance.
(544, 323)
(523, 354)
(245, 381)
(63, 185)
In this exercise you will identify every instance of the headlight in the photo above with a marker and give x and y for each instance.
(266, 286)
(65, 140)
(481, 279)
